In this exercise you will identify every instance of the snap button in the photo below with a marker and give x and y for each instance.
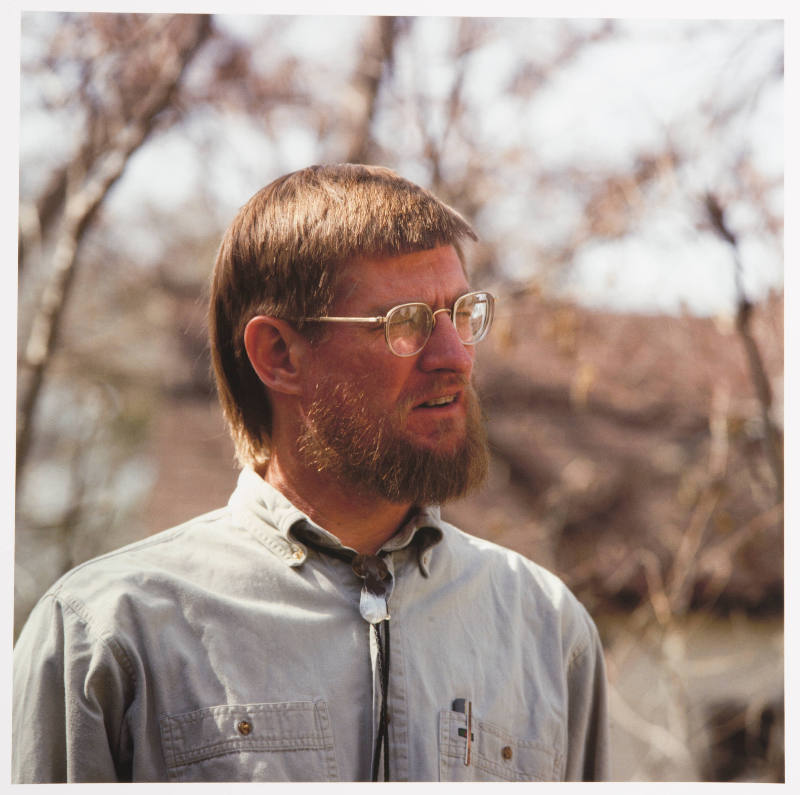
(507, 752)
(244, 727)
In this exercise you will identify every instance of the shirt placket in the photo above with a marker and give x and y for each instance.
(371, 610)
(376, 694)
(395, 692)
(402, 565)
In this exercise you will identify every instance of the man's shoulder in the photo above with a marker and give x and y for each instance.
(516, 580)
(482, 552)
(151, 560)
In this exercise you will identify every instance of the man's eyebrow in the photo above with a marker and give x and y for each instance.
(383, 308)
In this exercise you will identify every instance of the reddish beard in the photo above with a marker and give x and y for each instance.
(372, 454)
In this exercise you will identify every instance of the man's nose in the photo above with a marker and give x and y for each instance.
(445, 350)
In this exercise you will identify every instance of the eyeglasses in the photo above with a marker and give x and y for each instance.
(409, 326)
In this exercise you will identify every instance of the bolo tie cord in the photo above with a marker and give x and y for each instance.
(382, 739)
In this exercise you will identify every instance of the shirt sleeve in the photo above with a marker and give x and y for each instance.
(69, 700)
(587, 731)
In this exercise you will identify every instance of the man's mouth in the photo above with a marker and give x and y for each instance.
(436, 402)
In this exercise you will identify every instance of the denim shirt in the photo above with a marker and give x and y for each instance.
(226, 649)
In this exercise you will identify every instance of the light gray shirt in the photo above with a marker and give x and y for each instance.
(226, 649)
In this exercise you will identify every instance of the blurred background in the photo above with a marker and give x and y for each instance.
(626, 179)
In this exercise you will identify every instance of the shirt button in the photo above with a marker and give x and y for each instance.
(507, 752)
(244, 727)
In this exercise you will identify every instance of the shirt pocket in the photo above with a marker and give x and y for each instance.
(494, 753)
(281, 741)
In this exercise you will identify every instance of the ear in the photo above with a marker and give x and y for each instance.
(275, 351)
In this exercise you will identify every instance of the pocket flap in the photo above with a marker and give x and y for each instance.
(495, 754)
(288, 725)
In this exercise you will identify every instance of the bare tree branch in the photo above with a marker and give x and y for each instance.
(86, 186)
(758, 375)
(376, 58)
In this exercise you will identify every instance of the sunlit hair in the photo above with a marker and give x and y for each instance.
(281, 256)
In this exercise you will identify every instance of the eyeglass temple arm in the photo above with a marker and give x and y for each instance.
(376, 321)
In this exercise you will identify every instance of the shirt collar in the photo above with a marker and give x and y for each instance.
(271, 517)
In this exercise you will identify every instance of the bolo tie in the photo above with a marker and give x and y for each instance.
(375, 574)
(373, 608)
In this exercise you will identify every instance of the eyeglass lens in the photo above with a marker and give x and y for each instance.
(408, 327)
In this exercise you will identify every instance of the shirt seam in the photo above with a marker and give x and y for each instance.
(80, 611)
(585, 647)
(581, 651)
(106, 638)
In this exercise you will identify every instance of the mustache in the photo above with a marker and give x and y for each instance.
(447, 383)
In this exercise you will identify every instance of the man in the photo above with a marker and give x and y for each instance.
(327, 624)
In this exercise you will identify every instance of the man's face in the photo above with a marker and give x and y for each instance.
(406, 428)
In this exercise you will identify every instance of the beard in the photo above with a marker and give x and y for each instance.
(372, 454)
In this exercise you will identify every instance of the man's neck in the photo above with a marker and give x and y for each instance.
(361, 522)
